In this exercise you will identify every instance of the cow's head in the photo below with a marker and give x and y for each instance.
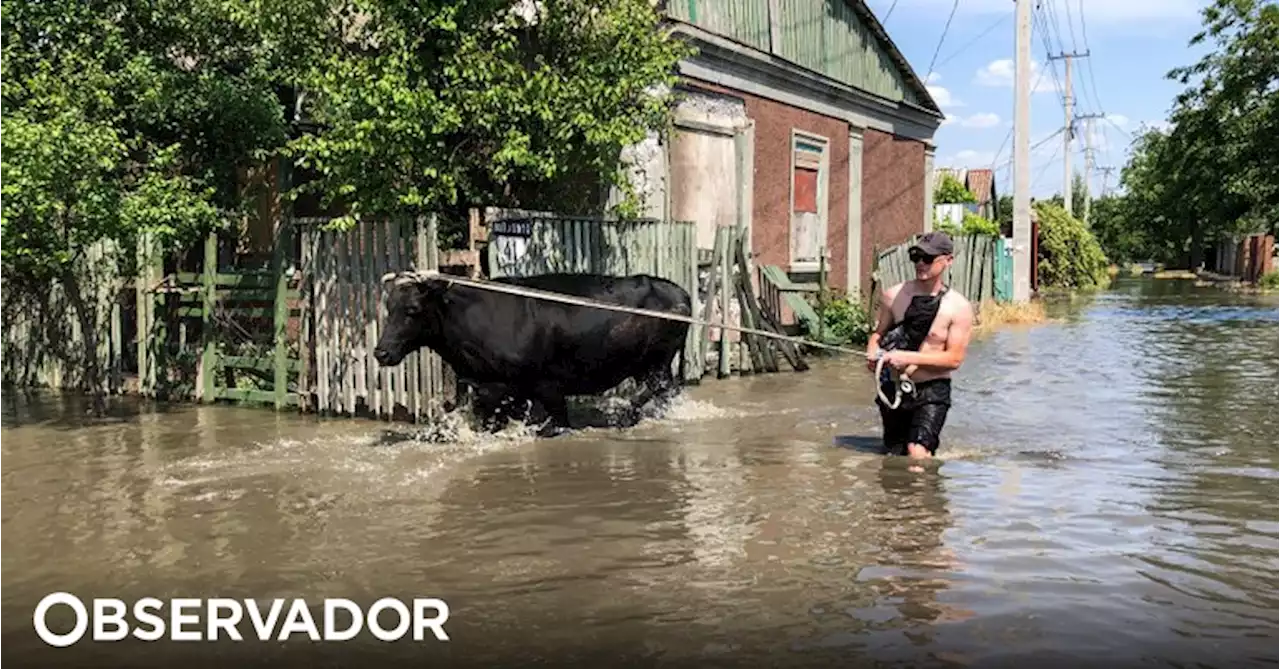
(414, 302)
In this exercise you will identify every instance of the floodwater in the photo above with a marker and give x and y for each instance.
(1107, 492)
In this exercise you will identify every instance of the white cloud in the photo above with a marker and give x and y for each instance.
(1101, 12)
(1000, 74)
(933, 78)
(968, 158)
(983, 120)
(948, 119)
(943, 97)
(1119, 119)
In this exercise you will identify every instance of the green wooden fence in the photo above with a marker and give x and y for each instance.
(44, 342)
(233, 336)
(972, 271)
(1003, 270)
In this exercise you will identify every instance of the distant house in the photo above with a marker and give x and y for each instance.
(802, 122)
(981, 182)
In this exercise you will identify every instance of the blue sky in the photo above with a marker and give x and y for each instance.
(1132, 44)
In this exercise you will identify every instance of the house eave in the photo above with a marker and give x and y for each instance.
(723, 61)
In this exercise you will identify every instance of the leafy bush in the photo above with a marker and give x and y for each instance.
(844, 321)
(972, 224)
(977, 225)
(951, 191)
(1070, 256)
(1270, 279)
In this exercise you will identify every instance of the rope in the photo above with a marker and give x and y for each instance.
(903, 386)
(566, 299)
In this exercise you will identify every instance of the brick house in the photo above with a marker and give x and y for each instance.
(801, 121)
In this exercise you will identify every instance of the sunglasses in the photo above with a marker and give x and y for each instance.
(918, 257)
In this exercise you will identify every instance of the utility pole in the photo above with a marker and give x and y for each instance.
(1106, 172)
(1088, 158)
(1022, 154)
(1068, 105)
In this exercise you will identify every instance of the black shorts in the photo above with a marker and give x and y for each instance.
(919, 417)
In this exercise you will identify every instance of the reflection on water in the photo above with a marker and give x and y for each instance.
(1108, 490)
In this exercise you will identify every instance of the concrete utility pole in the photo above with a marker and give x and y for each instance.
(1088, 158)
(1106, 172)
(1068, 105)
(1022, 155)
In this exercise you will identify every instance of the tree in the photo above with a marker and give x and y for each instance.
(126, 117)
(1212, 174)
(439, 106)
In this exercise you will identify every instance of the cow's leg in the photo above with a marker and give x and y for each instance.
(553, 402)
(659, 384)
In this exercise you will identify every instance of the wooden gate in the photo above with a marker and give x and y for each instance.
(223, 332)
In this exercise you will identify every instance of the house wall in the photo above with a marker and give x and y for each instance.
(893, 189)
(893, 194)
(772, 179)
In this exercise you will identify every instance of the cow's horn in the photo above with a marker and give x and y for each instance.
(402, 278)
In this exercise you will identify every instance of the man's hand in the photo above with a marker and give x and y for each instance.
(898, 360)
(872, 357)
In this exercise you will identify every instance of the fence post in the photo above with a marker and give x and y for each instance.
(281, 381)
(205, 384)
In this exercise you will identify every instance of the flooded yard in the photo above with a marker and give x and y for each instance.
(1107, 492)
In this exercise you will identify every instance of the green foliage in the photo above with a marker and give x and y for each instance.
(951, 191)
(974, 224)
(1111, 223)
(1270, 280)
(1212, 174)
(845, 321)
(1069, 255)
(971, 224)
(128, 118)
(1004, 213)
(470, 103)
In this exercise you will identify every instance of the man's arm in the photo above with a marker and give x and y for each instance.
(883, 320)
(957, 346)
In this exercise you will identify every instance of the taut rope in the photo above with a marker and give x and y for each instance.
(567, 299)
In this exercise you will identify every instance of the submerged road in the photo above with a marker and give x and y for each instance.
(1107, 493)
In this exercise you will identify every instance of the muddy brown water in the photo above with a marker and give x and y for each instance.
(1107, 493)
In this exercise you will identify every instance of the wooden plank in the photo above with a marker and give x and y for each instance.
(406, 242)
(329, 301)
(726, 290)
(358, 319)
(248, 279)
(240, 295)
(281, 380)
(342, 323)
(369, 312)
(208, 356)
(254, 395)
(264, 364)
(305, 343)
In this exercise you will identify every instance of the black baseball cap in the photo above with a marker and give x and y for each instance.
(935, 243)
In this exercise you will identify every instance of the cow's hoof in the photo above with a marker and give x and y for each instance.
(549, 430)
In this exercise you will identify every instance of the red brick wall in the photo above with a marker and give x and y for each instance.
(893, 187)
(893, 191)
(770, 216)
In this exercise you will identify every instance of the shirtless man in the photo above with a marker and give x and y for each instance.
(929, 324)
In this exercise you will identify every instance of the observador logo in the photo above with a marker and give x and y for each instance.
(215, 619)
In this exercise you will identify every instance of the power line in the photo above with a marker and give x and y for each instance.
(888, 13)
(998, 22)
(943, 38)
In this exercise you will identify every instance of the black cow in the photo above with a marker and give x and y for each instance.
(537, 349)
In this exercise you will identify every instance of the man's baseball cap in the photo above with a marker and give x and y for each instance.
(935, 244)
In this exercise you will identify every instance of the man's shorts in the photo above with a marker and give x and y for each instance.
(919, 417)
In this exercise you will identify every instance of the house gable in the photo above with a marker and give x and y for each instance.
(838, 39)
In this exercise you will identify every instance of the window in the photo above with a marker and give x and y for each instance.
(810, 167)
